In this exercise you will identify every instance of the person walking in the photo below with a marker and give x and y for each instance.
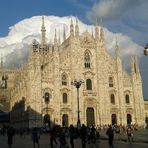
(83, 135)
(62, 138)
(53, 136)
(35, 137)
(129, 132)
(110, 134)
(10, 134)
(93, 134)
(72, 135)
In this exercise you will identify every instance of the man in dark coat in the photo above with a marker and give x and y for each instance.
(110, 133)
(35, 137)
(10, 134)
(83, 134)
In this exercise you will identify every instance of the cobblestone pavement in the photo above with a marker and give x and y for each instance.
(44, 142)
(140, 136)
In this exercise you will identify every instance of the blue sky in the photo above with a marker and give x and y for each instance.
(13, 11)
(125, 16)
(128, 17)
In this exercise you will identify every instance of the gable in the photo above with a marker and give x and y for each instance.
(86, 39)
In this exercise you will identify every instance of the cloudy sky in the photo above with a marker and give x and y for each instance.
(126, 19)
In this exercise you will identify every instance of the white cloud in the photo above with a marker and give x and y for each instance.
(128, 16)
(15, 46)
(113, 9)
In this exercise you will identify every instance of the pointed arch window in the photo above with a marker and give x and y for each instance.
(111, 82)
(64, 79)
(87, 60)
(127, 99)
(135, 67)
(47, 97)
(89, 84)
(64, 98)
(112, 99)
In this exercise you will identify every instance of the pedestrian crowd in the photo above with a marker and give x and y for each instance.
(64, 137)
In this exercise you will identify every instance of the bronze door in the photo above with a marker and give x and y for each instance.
(65, 120)
(90, 116)
(114, 119)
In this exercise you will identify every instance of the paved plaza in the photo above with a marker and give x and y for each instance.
(140, 141)
(140, 136)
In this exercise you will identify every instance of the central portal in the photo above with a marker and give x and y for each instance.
(65, 120)
(90, 116)
(47, 120)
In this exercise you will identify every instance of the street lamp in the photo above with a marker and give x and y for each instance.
(146, 50)
(77, 84)
(46, 96)
(47, 99)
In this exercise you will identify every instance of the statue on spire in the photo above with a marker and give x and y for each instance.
(71, 28)
(1, 64)
(55, 38)
(101, 31)
(64, 33)
(59, 40)
(134, 64)
(117, 48)
(96, 30)
(43, 31)
(77, 28)
(92, 33)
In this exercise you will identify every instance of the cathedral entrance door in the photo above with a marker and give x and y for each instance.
(129, 119)
(146, 120)
(65, 120)
(90, 116)
(47, 120)
(114, 119)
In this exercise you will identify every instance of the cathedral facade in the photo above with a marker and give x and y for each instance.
(41, 91)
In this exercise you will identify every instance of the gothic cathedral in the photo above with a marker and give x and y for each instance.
(41, 91)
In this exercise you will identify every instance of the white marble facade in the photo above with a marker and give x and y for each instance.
(109, 95)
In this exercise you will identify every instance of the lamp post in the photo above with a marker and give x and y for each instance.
(146, 50)
(47, 99)
(77, 84)
(46, 95)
